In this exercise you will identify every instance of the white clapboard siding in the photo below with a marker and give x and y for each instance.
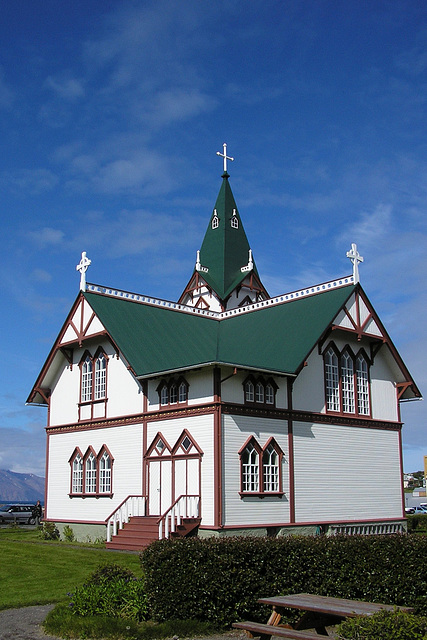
(123, 391)
(125, 446)
(252, 510)
(346, 473)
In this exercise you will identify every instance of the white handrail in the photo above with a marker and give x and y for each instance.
(131, 506)
(183, 507)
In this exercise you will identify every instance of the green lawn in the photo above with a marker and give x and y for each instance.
(33, 571)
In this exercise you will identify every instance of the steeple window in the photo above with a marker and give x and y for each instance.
(215, 220)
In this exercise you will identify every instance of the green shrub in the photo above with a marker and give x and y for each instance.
(111, 591)
(219, 580)
(49, 531)
(384, 625)
(68, 533)
(417, 522)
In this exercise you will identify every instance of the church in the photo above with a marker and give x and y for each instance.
(228, 412)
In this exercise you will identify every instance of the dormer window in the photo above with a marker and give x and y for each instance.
(234, 220)
(215, 220)
(260, 391)
(173, 392)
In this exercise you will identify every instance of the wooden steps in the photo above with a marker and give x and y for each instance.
(140, 531)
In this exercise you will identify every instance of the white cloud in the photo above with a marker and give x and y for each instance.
(32, 181)
(177, 104)
(46, 237)
(66, 88)
(40, 275)
(23, 450)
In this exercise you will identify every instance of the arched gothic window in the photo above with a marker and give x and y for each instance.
(347, 381)
(100, 376)
(87, 374)
(332, 380)
(173, 391)
(259, 391)
(362, 375)
(250, 469)
(90, 474)
(77, 474)
(261, 468)
(105, 473)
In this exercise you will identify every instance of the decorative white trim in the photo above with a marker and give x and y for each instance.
(250, 264)
(174, 306)
(199, 266)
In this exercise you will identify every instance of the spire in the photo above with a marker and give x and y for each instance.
(225, 253)
(225, 270)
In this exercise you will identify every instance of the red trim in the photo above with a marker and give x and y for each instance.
(46, 473)
(144, 387)
(289, 385)
(217, 429)
(402, 489)
(152, 447)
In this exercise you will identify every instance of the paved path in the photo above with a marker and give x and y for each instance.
(24, 624)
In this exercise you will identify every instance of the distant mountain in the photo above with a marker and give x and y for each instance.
(20, 487)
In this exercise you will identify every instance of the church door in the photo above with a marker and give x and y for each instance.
(172, 472)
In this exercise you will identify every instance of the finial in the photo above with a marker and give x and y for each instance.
(355, 258)
(250, 264)
(199, 266)
(83, 267)
(225, 156)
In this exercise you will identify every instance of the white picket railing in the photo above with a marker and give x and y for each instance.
(131, 506)
(184, 507)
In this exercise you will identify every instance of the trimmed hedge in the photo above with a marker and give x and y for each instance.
(384, 625)
(220, 579)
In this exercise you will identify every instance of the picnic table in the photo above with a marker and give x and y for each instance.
(320, 615)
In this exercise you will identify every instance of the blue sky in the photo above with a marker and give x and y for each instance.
(111, 114)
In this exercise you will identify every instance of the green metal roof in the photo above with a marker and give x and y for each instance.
(225, 249)
(276, 338)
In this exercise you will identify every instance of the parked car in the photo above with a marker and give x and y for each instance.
(420, 510)
(409, 509)
(17, 513)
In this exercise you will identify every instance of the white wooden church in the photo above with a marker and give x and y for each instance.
(226, 412)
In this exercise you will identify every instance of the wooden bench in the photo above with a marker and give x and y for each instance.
(268, 630)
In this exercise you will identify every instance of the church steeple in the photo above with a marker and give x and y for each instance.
(225, 275)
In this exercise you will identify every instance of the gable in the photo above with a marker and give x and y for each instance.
(358, 316)
(82, 324)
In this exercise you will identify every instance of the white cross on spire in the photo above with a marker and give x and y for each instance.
(225, 156)
(83, 267)
(355, 258)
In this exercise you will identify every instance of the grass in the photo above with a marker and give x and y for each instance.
(61, 622)
(33, 571)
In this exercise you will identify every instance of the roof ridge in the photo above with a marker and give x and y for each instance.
(175, 306)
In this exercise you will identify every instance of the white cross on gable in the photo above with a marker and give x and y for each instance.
(83, 267)
(225, 156)
(355, 258)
